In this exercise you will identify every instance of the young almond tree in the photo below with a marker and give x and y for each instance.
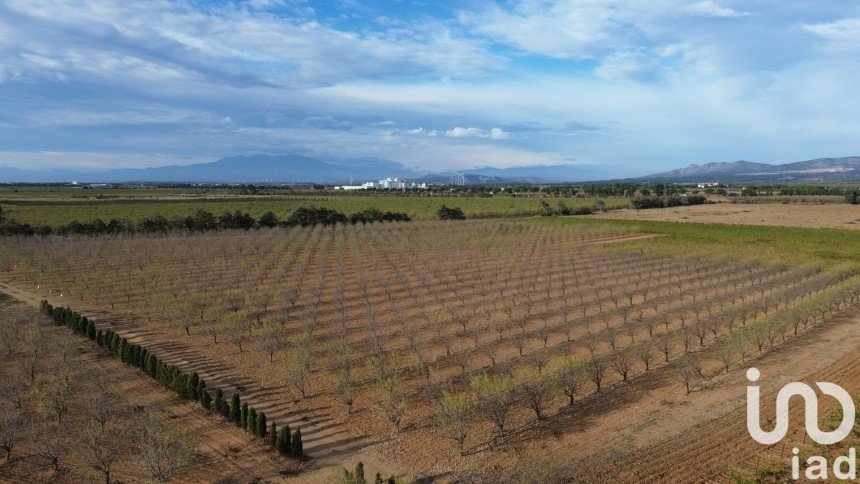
(235, 328)
(568, 373)
(533, 386)
(392, 399)
(297, 365)
(164, 450)
(494, 396)
(455, 413)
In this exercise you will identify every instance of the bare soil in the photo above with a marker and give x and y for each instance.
(789, 215)
(224, 453)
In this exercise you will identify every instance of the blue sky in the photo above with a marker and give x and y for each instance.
(620, 87)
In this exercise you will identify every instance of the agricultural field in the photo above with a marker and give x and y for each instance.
(831, 215)
(70, 413)
(455, 350)
(53, 212)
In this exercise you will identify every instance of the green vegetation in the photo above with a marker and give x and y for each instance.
(794, 245)
(55, 213)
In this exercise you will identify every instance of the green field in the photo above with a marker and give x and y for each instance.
(792, 245)
(55, 213)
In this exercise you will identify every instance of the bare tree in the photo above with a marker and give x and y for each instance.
(11, 424)
(164, 450)
(621, 362)
(50, 440)
(568, 372)
(297, 365)
(104, 446)
(689, 370)
(533, 386)
(596, 371)
(645, 352)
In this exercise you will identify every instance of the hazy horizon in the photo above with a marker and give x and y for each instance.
(625, 88)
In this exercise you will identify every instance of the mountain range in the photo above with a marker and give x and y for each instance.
(301, 169)
(820, 170)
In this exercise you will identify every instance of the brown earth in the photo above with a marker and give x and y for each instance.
(625, 418)
(597, 435)
(790, 215)
(224, 453)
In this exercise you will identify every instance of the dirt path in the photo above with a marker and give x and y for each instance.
(324, 440)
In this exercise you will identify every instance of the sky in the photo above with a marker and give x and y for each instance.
(622, 87)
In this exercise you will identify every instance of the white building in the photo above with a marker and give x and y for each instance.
(363, 186)
(394, 183)
(397, 183)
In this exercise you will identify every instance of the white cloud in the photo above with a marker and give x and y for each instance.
(562, 29)
(710, 8)
(629, 65)
(494, 133)
(847, 30)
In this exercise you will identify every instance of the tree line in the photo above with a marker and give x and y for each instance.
(641, 203)
(188, 386)
(203, 221)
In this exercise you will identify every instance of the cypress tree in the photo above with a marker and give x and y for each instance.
(191, 387)
(180, 384)
(251, 424)
(243, 416)
(296, 444)
(359, 472)
(283, 442)
(100, 338)
(206, 400)
(201, 388)
(193, 383)
(273, 435)
(121, 350)
(261, 425)
(151, 362)
(219, 401)
(91, 330)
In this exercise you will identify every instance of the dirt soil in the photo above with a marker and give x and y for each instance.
(224, 453)
(790, 215)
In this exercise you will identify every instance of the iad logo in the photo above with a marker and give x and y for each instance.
(844, 467)
(810, 400)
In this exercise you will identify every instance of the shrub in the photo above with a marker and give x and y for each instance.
(453, 213)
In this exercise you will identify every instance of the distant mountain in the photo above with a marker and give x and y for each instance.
(469, 178)
(544, 173)
(301, 169)
(237, 169)
(295, 169)
(821, 170)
